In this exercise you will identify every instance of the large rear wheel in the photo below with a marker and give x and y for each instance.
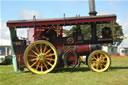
(99, 61)
(40, 57)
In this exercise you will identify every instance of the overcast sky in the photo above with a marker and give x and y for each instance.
(25, 9)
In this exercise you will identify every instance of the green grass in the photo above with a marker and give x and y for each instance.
(117, 75)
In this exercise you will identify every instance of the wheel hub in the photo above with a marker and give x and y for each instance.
(42, 57)
(99, 61)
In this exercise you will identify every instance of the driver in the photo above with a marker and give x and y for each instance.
(49, 35)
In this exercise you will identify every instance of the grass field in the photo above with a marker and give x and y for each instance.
(117, 75)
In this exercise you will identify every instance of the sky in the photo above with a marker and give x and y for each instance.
(26, 9)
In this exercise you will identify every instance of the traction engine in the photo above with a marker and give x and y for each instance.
(46, 47)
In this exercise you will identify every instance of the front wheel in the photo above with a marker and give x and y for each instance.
(40, 57)
(99, 61)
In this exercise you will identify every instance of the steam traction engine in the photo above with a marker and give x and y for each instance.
(46, 48)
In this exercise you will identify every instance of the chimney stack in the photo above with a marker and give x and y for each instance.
(92, 11)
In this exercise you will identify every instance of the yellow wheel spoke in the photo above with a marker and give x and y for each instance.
(48, 51)
(49, 63)
(50, 55)
(37, 65)
(32, 55)
(45, 49)
(104, 57)
(104, 65)
(35, 52)
(97, 56)
(104, 61)
(94, 61)
(37, 49)
(40, 48)
(34, 63)
(94, 65)
(101, 66)
(33, 59)
(97, 67)
(100, 56)
(50, 59)
(94, 58)
(41, 67)
(45, 65)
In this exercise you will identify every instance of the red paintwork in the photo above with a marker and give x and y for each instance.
(37, 31)
(82, 48)
(71, 58)
(60, 21)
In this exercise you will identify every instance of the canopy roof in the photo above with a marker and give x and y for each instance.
(60, 21)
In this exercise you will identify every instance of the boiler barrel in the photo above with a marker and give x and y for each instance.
(81, 49)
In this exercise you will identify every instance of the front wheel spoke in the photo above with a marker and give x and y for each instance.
(40, 48)
(97, 56)
(104, 61)
(37, 65)
(45, 65)
(50, 59)
(32, 55)
(37, 49)
(97, 67)
(45, 49)
(101, 56)
(41, 67)
(101, 67)
(104, 65)
(94, 61)
(33, 59)
(50, 55)
(94, 58)
(104, 58)
(48, 51)
(49, 63)
(35, 52)
(34, 63)
(94, 65)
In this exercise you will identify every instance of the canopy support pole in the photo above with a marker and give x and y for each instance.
(13, 36)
